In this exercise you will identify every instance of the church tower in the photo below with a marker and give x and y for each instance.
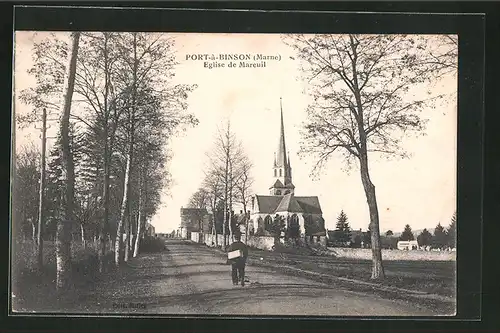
(282, 171)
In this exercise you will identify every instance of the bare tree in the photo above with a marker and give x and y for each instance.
(364, 100)
(133, 67)
(154, 102)
(214, 188)
(44, 98)
(63, 243)
(26, 187)
(94, 85)
(223, 160)
(243, 188)
(200, 201)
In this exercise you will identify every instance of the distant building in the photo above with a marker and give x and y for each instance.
(194, 220)
(303, 214)
(408, 245)
(150, 230)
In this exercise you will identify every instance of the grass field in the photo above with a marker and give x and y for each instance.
(433, 277)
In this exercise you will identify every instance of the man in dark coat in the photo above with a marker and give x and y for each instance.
(238, 264)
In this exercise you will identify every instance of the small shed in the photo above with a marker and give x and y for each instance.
(408, 245)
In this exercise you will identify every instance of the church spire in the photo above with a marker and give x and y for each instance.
(282, 169)
(281, 160)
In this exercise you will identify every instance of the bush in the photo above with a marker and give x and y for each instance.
(32, 287)
(152, 244)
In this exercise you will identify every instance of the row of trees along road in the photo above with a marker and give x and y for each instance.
(440, 239)
(228, 181)
(118, 105)
(362, 99)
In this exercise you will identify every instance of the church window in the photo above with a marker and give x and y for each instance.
(280, 173)
(294, 227)
(278, 192)
(274, 172)
(268, 222)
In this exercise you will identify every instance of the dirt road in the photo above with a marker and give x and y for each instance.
(191, 279)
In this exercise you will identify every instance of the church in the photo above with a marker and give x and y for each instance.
(302, 214)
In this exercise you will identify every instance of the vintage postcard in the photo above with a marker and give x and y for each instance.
(234, 174)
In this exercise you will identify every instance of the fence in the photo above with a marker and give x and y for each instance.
(366, 254)
(263, 243)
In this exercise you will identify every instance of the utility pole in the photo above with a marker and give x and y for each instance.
(41, 207)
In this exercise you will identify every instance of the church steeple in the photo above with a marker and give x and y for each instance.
(281, 168)
(281, 154)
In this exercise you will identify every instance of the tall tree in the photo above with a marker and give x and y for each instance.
(452, 232)
(362, 103)
(223, 161)
(243, 188)
(439, 240)
(425, 238)
(63, 242)
(131, 123)
(153, 101)
(214, 187)
(407, 234)
(95, 84)
(199, 200)
(343, 231)
(26, 187)
(44, 99)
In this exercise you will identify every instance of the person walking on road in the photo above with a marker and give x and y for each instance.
(238, 264)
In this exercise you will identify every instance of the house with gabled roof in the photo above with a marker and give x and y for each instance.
(303, 214)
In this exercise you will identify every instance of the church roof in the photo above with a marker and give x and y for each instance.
(289, 204)
(269, 204)
(310, 204)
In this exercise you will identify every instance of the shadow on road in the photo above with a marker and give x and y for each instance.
(167, 266)
(233, 295)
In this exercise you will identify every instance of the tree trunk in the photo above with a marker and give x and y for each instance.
(33, 233)
(137, 236)
(127, 246)
(377, 267)
(138, 233)
(123, 211)
(231, 231)
(83, 236)
(104, 229)
(224, 223)
(63, 243)
(246, 219)
(41, 208)
(131, 128)
(214, 219)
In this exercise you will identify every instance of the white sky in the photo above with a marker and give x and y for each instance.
(419, 191)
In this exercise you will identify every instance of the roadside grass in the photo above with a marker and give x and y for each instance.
(35, 291)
